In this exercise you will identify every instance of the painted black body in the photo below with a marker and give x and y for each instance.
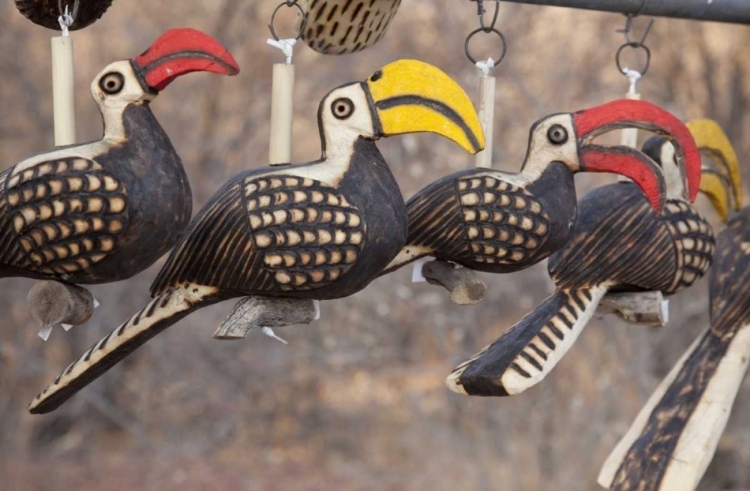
(619, 243)
(730, 312)
(203, 258)
(158, 204)
(437, 219)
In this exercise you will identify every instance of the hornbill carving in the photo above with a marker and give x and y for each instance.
(497, 222)
(618, 243)
(674, 437)
(318, 230)
(104, 211)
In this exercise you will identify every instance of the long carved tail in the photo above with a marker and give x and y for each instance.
(163, 311)
(673, 439)
(529, 350)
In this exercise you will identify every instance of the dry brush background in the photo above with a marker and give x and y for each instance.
(357, 400)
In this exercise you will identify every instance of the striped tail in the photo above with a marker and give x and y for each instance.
(163, 311)
(674, 437)
(529, 350)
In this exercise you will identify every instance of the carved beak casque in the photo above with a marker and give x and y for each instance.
(711, 139)
(626, 113)
(410, 96)
(181, 51)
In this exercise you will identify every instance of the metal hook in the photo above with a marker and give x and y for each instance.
(481, 11)
(287, 3)
(629, 23)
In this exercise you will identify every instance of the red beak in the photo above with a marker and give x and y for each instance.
(626, 113)
(181, 51)
(630, 163)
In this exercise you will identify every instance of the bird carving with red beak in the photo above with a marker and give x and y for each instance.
(618, 243)
(497, 222)
(106, 210)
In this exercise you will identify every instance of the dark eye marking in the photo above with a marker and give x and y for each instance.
(342, 108)
(112, 83)
(557, 134)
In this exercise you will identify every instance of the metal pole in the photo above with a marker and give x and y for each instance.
(732, 11)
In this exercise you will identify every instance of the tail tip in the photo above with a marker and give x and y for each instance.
(453, 382)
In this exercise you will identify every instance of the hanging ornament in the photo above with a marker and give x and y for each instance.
(104, 211)
(320, 230)
(673, 439)
(337, 27)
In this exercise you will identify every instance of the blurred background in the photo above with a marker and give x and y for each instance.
(357, 400)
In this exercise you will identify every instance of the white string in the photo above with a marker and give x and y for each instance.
(486, 66)
(269, 332)
(286, 46)
(66, 20)
(633, 76)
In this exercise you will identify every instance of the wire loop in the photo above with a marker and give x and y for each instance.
(484, 28)
(290, 4)
(485, 31)
(635, 46)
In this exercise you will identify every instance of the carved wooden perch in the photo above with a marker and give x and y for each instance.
(52, 303)
(463, 284)
(259, 312)
(644, 308)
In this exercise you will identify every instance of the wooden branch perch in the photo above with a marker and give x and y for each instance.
(644, 308)
(259, 312)
(52, 303)
(463, 284)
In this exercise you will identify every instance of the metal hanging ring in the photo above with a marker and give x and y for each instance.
(490, 30)
(635, 46)
(288, 3)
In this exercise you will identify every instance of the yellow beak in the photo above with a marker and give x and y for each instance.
(711, 139)
(410, 96)
(714, 186)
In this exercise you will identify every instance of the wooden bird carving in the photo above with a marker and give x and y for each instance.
(318, 230)
(493, 221)
(337, 27)
(674, 437)
(619, 243)
(106, 210)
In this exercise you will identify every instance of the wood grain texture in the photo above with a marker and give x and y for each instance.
(337, 27)
(618, 244)
(46, 12)
(478, 219)
(660, 436)
(92, 220)
(291, 236)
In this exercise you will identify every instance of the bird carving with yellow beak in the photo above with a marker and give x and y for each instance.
(319, 230)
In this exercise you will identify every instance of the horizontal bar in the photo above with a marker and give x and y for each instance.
(732, 11)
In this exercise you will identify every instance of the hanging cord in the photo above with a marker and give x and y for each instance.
(67, 18)
(486, 83)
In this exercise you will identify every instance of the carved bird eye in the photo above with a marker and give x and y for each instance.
(342, 108)
(112, 83)
(557, 134)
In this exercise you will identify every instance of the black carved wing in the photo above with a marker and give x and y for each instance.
(694, 242)
(477, 218)
(503, 223)
(60, 216)
(730, 288)
(268, 234)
